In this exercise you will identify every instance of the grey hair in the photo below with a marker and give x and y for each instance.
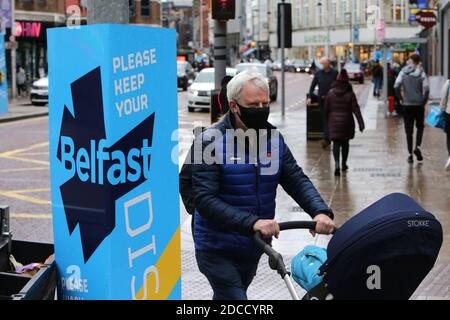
(236, 84)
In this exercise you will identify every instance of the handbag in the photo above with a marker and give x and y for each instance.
(436, 118)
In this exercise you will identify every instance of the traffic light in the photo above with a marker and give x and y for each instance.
(287, 20)
(223, 9)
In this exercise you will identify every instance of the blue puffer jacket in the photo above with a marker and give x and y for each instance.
(230, 198)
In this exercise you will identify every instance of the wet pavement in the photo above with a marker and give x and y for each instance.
(377, 167)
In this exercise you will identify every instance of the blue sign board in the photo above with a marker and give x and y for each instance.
(113, 112)
(356, 34)
(5, 14)
(422, 4)
(3, 80)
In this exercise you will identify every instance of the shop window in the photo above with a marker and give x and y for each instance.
(145, 8)
(306, 15)
(333, 13)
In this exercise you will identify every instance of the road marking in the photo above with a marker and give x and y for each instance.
(35, 154)
(16, 154)
(31, 216)
(21, 195)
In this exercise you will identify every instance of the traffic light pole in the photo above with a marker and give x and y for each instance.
(220, 52)
(283, 78)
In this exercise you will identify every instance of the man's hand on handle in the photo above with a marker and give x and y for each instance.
(268, 228)
(324, 225)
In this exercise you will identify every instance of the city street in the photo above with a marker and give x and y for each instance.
(25, 183)
(377, 167)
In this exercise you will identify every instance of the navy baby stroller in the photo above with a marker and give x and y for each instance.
(395, 235)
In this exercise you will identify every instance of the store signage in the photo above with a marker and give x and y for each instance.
(114, 183)
(426, 18)
(28, 29)
(317, 39)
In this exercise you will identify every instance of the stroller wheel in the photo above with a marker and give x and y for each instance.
(319, 292)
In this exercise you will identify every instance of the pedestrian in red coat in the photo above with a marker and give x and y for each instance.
(340, 105)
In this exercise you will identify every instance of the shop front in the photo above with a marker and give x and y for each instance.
(31, 52)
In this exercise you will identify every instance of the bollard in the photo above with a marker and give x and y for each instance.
(115, 199)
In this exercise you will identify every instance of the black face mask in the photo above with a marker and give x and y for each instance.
(254, 118)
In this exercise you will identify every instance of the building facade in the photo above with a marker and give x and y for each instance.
(146, 12)
(444, 38)
(33, 18)
(179, 15)
(257, 28)
(346, 29)
(202, 25)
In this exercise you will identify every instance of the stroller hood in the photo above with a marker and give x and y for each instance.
(384, 252)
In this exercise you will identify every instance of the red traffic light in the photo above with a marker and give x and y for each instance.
(223, 9)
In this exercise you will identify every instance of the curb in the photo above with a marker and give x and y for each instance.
(23, 117)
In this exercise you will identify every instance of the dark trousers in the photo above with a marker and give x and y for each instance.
(447, 129)
(414, 115)
(339, 146)
(326, 135)
(229, 277)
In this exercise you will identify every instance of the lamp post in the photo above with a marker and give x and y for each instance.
(351, 35)
(201, 24)
(328, 24)
(254, 33)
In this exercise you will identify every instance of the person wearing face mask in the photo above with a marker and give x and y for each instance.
(235, 194)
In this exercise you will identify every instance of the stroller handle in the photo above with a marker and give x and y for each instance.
(275, 259)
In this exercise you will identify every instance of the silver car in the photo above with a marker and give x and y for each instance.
(39, 92)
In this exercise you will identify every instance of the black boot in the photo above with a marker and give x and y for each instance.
(337, 172)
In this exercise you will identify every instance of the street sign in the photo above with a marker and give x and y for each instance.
(11, 45)
(373, 16)
(426, 18)
(5, 15)
(114, 174)
(356, 34)
(381, 30)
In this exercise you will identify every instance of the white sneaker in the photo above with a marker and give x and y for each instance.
(447, 166)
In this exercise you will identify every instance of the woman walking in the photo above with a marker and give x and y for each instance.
(445, 107)
(340, 105)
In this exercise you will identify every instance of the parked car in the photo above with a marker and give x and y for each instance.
(39, 92)
(300, 65)
(266, 72)
(186, 74)
(199, 93)
(355, 72)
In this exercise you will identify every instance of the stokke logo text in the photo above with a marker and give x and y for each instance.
(98, 163)
(418, 223)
